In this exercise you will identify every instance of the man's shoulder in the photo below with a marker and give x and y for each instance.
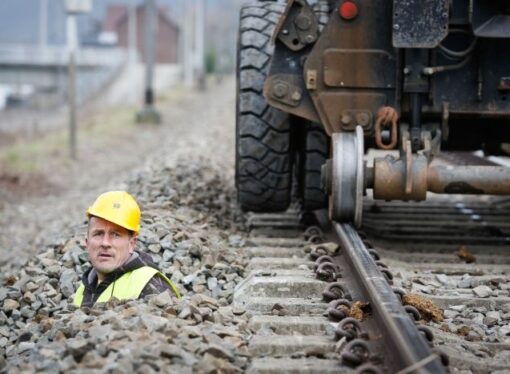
(156, 285)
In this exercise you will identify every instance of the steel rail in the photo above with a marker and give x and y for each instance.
(405, 345)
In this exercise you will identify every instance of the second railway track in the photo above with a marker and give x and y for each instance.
(299, 327)
(454, 252)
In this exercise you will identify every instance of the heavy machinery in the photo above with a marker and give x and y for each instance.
(319, 83)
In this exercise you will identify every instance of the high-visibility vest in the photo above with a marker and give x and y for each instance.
(128, 286)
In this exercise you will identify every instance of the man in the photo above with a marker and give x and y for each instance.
(117, 271)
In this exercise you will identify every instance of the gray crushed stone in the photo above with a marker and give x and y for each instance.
(189, 219)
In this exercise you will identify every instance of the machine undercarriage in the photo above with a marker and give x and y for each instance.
(412, 77)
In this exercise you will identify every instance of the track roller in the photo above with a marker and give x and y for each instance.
(346, 177)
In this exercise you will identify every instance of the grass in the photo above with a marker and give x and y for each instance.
(96, 128)
(29, 155)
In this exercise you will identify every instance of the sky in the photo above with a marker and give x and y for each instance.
(20, 19)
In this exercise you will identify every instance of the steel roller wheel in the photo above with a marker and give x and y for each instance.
(347, 179)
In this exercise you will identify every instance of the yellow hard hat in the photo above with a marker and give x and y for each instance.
(118, 207)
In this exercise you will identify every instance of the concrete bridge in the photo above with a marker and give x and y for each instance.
(46, 68)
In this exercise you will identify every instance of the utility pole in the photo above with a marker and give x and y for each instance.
(199, 44)
(132, 29)
(72, 45)
(179, 18)
(73, 7)
(148, 113)
(188, 43)
(43, 23)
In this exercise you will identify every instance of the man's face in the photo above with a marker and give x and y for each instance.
(108, 245)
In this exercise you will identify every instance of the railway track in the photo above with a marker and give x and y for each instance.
(299, 327)
(456, 253)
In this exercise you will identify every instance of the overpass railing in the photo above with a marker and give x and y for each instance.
(22, 54)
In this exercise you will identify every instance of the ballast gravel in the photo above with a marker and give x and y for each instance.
(191, 228)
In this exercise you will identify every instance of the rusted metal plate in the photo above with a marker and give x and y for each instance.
(419, 23)
(341, 108)
(341, 68)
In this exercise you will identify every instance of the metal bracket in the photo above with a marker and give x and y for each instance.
(298, 27)
(311, 79)
(281, 88)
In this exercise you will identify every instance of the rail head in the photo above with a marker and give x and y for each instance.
(410, 352)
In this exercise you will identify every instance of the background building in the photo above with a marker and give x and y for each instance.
(115, 31)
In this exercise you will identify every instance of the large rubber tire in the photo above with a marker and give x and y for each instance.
(314, 155)
(316, 144)
(263, 152)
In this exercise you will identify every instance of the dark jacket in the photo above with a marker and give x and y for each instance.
(138, 259)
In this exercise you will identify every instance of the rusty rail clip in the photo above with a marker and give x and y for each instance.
(386, 117)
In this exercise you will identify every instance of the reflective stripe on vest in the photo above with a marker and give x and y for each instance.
(128, 286)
